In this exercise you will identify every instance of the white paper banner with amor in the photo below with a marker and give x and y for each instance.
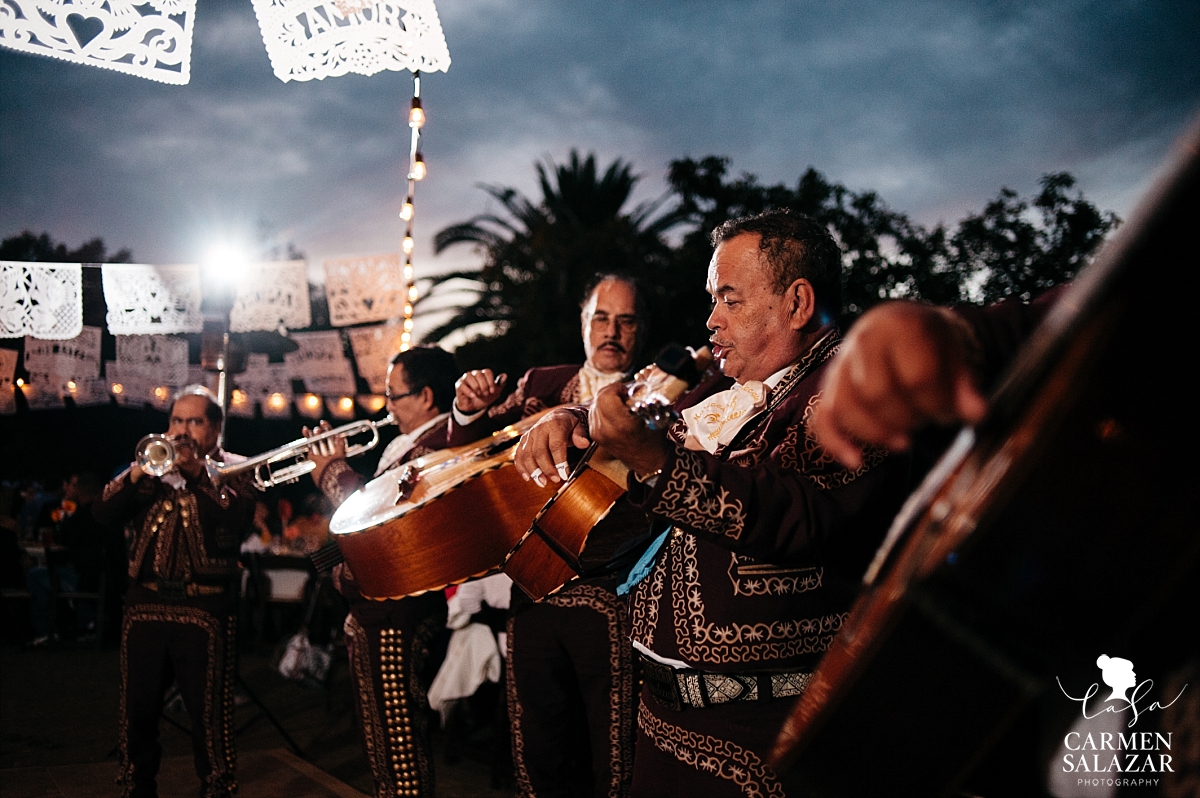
(150, 39)
(40, 300)
(145, 300)
(321, 363)
(270, 296)
(309, 39)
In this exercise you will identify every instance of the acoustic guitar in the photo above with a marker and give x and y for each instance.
(460, 513)
(551, 553)
(439, 520)
(1062, 528)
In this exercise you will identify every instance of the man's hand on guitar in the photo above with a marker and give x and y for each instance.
(902, 366)
(624, 435)
(478, 389)
(322, 453)
(542, 452)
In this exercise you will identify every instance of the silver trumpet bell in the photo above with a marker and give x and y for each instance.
(156, 454)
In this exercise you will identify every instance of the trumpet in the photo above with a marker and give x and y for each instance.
(158, 454)
(290, 462)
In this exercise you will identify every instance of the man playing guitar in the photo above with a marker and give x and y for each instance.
(733, 607)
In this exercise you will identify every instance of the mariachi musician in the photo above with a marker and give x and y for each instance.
(732, 608)
(180, 610)
(388, 641)
(575, 643)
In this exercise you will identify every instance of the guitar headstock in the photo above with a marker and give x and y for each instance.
(656, 387)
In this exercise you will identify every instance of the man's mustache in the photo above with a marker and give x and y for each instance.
(613, 344)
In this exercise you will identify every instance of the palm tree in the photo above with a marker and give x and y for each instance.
(539, 256)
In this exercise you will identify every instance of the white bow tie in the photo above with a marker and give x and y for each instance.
(715, 421)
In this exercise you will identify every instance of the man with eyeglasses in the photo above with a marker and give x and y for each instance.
(570, 666)
(388, 641)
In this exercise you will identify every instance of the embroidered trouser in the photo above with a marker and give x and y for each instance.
(189, 642)
(388, 643)
(570, 694)
(718, 751)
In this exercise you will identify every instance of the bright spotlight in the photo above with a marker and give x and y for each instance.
(225, 262)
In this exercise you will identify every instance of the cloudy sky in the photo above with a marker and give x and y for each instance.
(935, 104)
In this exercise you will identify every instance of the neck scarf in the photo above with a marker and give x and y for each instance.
(592, 379)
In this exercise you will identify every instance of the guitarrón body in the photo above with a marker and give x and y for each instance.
(400, 540)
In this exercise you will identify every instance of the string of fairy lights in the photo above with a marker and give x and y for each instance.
(416, 173)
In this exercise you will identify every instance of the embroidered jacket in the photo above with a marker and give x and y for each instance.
(186, 534)
(771, 536)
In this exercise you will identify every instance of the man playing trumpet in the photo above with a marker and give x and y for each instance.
(181, 606)
(388, 641)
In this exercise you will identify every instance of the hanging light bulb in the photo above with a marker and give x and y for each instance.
(408, 245)
(418, 168)
(406, 212)
(416, 116)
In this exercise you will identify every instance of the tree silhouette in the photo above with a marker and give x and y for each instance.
(1015, 254)
(539, 256)
(28, 247)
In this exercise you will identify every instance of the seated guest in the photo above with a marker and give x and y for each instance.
(83, 542)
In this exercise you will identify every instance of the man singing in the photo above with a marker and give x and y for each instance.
(733, 606)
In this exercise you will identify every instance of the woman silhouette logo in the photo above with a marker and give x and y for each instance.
(1118, 674)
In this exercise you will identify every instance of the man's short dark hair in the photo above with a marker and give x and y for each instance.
(212, 411)
(429, 367)
(795, 246)
(639, 300)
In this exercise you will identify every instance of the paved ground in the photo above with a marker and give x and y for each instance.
(262, 774)
(58, 708)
